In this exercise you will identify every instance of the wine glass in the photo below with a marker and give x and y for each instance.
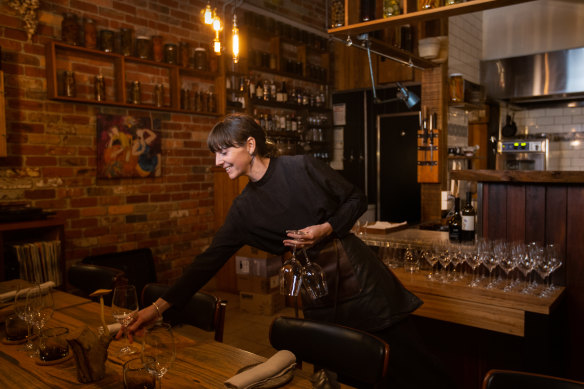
(158, 350)
(313, 279)
(124, 308)
(444, 259)
(431, 256)
(488, 259)
(507, 262)
(547, 264)
(526, 264)
(24, 312)
(291, 272)
(472, 259)
(41, 305)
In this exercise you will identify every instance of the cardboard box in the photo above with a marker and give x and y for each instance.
(242, 265)
(255, 284)
(261, 303)
(252, 252)
(261, 267)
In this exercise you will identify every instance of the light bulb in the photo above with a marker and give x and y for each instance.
(217, 22)
(235, 44)
(217, 44)
(207, 14)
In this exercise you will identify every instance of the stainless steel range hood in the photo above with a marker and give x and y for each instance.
(554, 78)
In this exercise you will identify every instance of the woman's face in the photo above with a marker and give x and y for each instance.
(235, 161)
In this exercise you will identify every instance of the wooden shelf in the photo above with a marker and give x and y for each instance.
(116, 66)
(417, 16)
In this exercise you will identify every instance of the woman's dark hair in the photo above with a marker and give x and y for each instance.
(234, 130)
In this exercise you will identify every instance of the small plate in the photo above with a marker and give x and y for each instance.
(55, 362)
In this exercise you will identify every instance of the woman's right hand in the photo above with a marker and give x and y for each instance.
(143, 319)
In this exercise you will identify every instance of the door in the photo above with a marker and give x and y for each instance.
(398, 193)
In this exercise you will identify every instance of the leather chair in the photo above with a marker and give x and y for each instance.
(204, 310)
(88, 278)
(511, 379)
(138, 265)
(359, 359)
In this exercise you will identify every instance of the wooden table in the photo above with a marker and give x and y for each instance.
(200, 363)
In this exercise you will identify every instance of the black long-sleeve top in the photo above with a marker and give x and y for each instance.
(295, 192)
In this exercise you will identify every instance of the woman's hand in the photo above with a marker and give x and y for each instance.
(308, 236)
(144, 318)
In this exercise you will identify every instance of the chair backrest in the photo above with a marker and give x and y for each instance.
(359, 358)
(511, 379)
(138, 265)
(88, 278)
(204, 310)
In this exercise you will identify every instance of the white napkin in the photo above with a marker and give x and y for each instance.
(114, 328)
(384, 225)
(278, 365)
(10, 295)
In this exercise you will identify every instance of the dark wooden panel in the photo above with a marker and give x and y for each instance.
(555, 221)
(535, 213)
(516, 213)
(497, 212)
(574, 269)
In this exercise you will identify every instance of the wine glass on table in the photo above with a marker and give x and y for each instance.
(158, 350)
(507, 262)
(42, 305)
(546, 265)
(488, 259)
(124, 308)
(526, 264)
(25, 312)
(472, 259)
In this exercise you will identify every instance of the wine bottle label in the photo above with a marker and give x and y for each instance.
(468, 223)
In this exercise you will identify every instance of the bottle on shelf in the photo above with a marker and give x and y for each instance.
(259, 91)
(455, 223)
(468, 214)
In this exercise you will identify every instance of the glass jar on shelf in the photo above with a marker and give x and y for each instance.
(391, 8)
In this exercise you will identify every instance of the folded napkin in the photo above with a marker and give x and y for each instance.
(383, 225)
(114, 328)
(10, 295)
(277, 366)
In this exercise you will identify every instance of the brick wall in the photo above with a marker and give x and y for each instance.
(51, 160)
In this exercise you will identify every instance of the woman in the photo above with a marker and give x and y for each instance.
(301, 193)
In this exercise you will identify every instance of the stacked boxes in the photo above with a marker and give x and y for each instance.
(258, 281)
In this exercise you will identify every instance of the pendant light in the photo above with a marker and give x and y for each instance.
(235, 43)
(207, 13)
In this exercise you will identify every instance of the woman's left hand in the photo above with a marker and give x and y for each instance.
(308, 236)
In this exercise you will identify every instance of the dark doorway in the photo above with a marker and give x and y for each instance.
(399, 190)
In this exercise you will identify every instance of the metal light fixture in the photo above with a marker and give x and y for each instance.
(407, 96)
(217, 44)
(235, 43)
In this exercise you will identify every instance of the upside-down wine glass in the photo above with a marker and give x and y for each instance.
(124, 308)
(158, 350)
(313, 279)
(291, 273)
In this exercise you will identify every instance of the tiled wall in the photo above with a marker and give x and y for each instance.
(565, 129)
(465, 45)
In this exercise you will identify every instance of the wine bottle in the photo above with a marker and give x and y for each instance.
(468, 220)
(455, 223)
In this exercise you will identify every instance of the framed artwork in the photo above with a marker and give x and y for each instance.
(128, 147)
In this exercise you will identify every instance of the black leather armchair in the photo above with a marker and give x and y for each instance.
(138, 265)
(511, 379)
(359, 359)
(86, 279)
(204, 310)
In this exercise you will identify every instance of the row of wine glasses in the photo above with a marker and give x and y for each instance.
(502, 261)
(35, 306)
(294, 275)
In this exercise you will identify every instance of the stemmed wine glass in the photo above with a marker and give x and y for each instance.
(42, 305)
(472, 259)
(507, 262)
(313, 278)
(124, 308)
(444, 259)
(526, 264)
(291, 273)
(548, 263)
(488, 259)
(158, 351)
(25, 312)
(431, 256)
